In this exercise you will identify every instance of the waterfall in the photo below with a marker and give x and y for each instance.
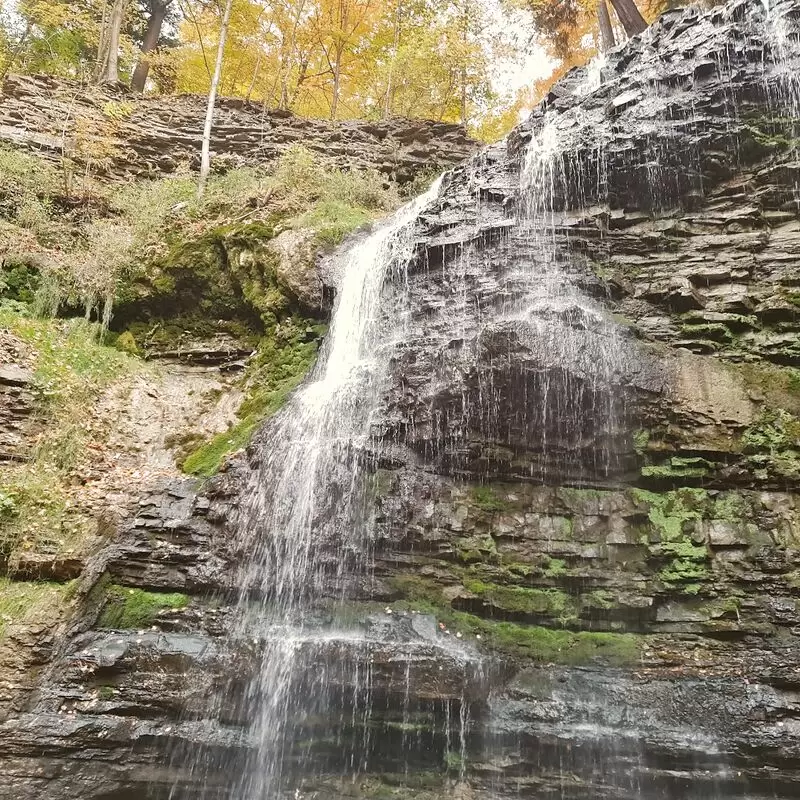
(302, 529)
(581, 351)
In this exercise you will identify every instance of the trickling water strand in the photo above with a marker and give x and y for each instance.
(594, 74)
(782, 35)
(569, 329)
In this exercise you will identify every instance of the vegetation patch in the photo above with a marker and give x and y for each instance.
(780, 386)
(477, 549)
(486, 499)
(544, 645)
(72, 367)
(555, 568)
(711, 331)
(514, 639)
(127, 608)
(772, 444)
(27, 600)
(673, 517)
(678, 468)
(529, 602)
(280, 364)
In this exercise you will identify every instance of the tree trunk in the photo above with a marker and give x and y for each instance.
(110, 72)
(607, 38)
(632, 21)
(253, 79)
(152, 34)
(205, 153)
(463, 71)
(387, 103)
(337, 79)
(288, 63)
(102, 43)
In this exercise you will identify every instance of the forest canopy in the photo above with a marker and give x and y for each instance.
(448, 60)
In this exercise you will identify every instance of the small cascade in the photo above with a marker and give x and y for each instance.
(782, 34)
(570, 327)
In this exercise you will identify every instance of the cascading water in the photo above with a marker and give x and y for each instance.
(304, 535)
(305, 496)
(572, 329)
(304, 499)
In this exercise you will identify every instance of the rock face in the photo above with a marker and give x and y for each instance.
(17, 398)
(556, 608)
(155, 136)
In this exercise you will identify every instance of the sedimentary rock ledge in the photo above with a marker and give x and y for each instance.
(113, 132)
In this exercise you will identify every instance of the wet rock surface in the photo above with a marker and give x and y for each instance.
(539, 622)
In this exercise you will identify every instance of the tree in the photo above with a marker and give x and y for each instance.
(630, 16)
(556, 23)
(107, 68)
(152, 35)
(607, 38)
(205, 152)
(339, 24)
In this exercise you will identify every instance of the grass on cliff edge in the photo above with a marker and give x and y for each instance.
(71, 368)
(22, 601)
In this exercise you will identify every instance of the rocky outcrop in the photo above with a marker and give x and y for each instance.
(17, 398)
(556, 608)
(119, 134)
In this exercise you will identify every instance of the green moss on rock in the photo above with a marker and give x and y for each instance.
(487, 499)
(678, 468)
(674, 516)
(531, 602)
(772, 444)
(555, 568)
(127, 608)
(549, 645)
(280, 364)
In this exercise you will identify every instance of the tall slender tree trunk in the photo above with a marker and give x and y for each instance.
(387, 102)
(607, 38)
(630, 17)
(102, 45)
(337, 77)
(205, 152)
(287, 62)
(152, 34)
(301, 79)
(253, 79)
(463, 71)
(110, 72)
(337, 82)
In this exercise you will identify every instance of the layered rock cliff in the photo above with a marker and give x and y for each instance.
(605, 611)
(119, 134)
